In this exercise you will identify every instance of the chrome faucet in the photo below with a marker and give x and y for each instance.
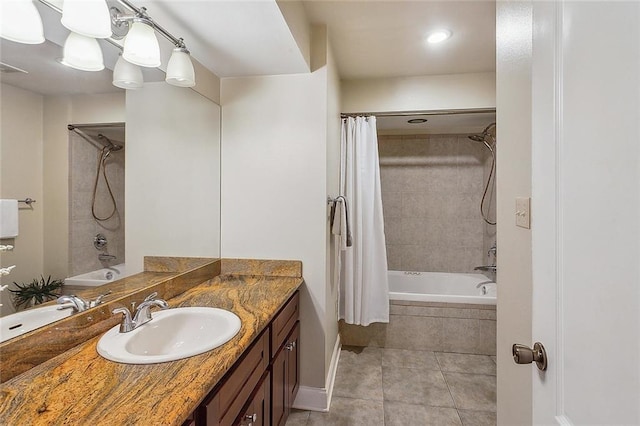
(72, 301)
(142, 315)
(486, 268)
(103, 257)
(78, 304)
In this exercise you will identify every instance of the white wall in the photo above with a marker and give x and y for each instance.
(422, 93)
(274, 187)
(21, 177)
(275, 158)
(172, 188)
(333, 186)
(514, 34)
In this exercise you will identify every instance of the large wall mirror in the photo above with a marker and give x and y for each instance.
(158, 148)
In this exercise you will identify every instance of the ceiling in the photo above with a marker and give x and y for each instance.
(387, 38)
(260, 37)
(436, 124)
(368, 38)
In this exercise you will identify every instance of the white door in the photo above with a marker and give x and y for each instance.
(586, 211)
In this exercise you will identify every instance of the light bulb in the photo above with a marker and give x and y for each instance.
(141, 45)
(439, 36)
(127, 75)
(21, 22)
(90, 18)
(82, 53)
(180, 69)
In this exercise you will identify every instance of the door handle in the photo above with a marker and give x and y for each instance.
(523, 354)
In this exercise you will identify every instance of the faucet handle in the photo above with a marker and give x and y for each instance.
(71, 300)
(98, 300)
(151, 297)
(127, 324)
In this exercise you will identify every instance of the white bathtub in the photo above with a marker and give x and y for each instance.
(99, 277)
(441, 287)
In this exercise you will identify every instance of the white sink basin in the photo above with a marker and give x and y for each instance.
(22, 322)
(172, 334)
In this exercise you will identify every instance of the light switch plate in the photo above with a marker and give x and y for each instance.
(523, 212)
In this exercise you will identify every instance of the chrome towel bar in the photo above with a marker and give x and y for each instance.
(28, 201)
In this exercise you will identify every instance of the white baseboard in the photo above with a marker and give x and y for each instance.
(319, 399)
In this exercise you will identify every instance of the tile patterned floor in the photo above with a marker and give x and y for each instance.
(389, 387)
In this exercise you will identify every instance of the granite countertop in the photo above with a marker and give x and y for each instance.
(81, 387)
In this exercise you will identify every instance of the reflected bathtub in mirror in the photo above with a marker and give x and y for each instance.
(98, 277)
(23, 322)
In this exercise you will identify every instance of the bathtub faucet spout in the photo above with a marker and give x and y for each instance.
(486, 268)
(106, 257)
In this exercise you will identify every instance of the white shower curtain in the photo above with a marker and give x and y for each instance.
(364, 288)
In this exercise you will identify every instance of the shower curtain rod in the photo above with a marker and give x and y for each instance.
(414, 113)
(101, 125)
(96, 142)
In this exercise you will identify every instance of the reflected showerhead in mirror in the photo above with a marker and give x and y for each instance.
(112, 147)
(477, 138)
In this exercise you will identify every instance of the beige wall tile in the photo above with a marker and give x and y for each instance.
(432, 186)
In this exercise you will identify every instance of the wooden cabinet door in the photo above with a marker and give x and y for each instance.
(293, 365)
(257, 412)
(224, 407)
(279, 392)
(286, 377)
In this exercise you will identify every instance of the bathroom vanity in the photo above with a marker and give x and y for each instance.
(251, 380)
(260, 388)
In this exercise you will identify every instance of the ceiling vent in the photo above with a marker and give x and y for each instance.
(9, 69)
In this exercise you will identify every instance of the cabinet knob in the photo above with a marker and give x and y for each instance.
(249, 419)
(290, 346)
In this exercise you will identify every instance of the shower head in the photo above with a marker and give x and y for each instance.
(477, 138)
(112, 147)
(482, 137)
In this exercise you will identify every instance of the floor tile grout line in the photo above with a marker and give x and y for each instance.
(440, 369)
(427, 405)
(384, 417)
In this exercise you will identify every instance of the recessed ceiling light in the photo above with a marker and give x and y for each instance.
(417, 120)
(439, 36)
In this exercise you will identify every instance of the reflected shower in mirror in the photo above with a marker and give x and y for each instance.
(96, 201)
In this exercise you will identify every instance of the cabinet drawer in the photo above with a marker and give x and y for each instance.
(284, 322)
(231, 397)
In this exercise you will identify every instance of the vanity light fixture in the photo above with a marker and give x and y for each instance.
(82, 53)
(439, 36)
(141, 45)
(127, 75)
(90, 18)
(21, 22)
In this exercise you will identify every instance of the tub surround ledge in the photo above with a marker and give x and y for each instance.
(80, 387)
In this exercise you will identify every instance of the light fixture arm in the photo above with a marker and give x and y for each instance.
(141, 13)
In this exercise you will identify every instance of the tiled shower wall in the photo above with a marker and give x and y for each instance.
(83, 162)
(431, 191)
